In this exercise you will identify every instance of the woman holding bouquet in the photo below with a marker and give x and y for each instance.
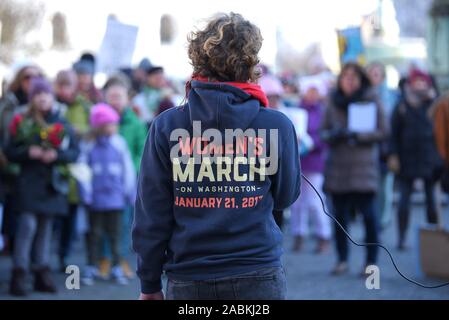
(42, 144)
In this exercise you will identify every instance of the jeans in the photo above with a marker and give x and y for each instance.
(125, 239)
(67, 225)
(363, 203)
(104, 222)
(32, 228)
(125, 236)
(406, 189)
(385, 199)
(262, 284)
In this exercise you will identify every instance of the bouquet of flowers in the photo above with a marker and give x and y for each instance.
(52, 136)
(25, 130)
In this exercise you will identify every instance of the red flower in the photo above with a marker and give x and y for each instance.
(55, 134)
(58, 127)
(15, 123)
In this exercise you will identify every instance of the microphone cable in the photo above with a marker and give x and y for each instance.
(370, 244)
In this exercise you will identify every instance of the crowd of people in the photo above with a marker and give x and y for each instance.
(69, 148)
(357, 171)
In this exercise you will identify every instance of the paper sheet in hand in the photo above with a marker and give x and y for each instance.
(362, 117)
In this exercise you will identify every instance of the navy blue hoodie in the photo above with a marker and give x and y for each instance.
(198, 222)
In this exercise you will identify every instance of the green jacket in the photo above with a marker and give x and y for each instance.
(135, 133)
(77, 114)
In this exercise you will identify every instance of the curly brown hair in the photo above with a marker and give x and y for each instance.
(226, 49)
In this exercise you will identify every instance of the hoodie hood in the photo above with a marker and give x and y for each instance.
(221, 106)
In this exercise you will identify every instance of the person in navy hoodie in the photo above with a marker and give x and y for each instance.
(208, 224)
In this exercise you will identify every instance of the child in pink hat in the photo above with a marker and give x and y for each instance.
(103, 114)
(110, 189)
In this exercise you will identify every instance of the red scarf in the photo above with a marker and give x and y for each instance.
(254, 90)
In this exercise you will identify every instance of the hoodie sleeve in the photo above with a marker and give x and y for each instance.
(153, 217)
(286, 183)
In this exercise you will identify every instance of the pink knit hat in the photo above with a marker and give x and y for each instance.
(103, 113)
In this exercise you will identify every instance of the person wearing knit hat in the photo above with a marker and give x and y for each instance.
(39, 85)
(85, 70)
(41, 190)
(144, 64)
(103, 114)
(413, 152)
(84, 67)
(109, 191)
(416, 75)
(41, 99)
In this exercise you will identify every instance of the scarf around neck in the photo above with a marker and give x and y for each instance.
(254, 90)
(342, 101)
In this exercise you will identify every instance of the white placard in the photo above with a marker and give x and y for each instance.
(362, 117)
(118, 46)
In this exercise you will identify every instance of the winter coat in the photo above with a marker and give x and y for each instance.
(42, 188)
(8, 106)
(77, 114)
(112, 185)
(147, 102)
(135, 133)
(412, 137)
(352, 164)
(314, 160)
